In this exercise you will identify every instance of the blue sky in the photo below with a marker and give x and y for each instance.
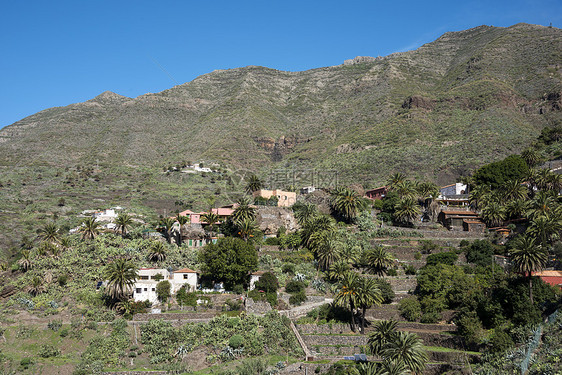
(54, 53)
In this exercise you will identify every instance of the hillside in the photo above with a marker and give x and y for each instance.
(440, 110)
(452, 105)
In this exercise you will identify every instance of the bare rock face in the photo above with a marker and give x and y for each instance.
(270, 219)
(416, 101)
(279, 147)
(359, 60)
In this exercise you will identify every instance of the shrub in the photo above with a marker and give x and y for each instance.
(386, 290)
(185, 298)
(272, 241)
(55, 325)
(500, 342)
(410, 308)
(392, 272)
(409, 269)
(238, 289)
(288, 268)
(295, 286)
(268, 283)
(26, 362)
(297, 298)
(64, 332)
(236, 341)
(256, 295)
(163, 290)
(480, 252)
(271, 298)
(431, 317)
(47, 351)
(444, 258)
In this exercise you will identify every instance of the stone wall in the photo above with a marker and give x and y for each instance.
(307, 329)
(351, 340)
(257, 307)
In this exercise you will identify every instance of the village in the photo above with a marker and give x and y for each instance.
(330, 268)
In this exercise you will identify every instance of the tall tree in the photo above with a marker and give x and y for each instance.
(211, 219)
(254, 184)
(243, 211)
(528, 257)
(379, 260)
(493, 214)
(407, 211)
(407, 348)
(348, 295)
(182, 221)
(123, 222)
(49, 233)
(157, 252)
(167, 227)
(347, 203)
(246, 228)
(90, 228)
(383, 332)
(121, 276)
(369, 295)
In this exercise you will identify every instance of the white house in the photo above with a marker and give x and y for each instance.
(453, 189)
(254, 278)
(145, 285)
(182, 277)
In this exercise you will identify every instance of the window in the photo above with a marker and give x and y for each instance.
(138, 290)
(145, 289)
(185, 276)
(153, 289)
(143, 277)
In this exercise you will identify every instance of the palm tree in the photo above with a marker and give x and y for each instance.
(65, 243)
(25, 260)
(254, 184)
(541, 205)
(545, 229)
(528, 257)
(305, 213)
(328, 250)
(338, 269)
(243, 211)
(384, 331)
(478, 195)
(516, 208)
(348, 295)
(122, 223)
(121, 276)
(49, 233)
(493, 214)
(158, 252)
(379, 260)
(167, 226)
(405, 189)
(369, 295)
(531, 157)
(407, 210)
(36, 286)
(396, 178)
(346, 203)
(394, 368)
(246, 228)
(90, 228)
(407, 348)
(211, 218)
(513, 190)
(315, 226)
(182, 220)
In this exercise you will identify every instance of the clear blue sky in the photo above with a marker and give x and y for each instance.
(54, 53)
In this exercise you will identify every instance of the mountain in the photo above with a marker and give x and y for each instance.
(452, 105)
(465, 99)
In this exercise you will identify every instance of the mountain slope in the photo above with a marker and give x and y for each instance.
(467, 98)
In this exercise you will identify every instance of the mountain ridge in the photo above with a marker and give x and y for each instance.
(484, 74)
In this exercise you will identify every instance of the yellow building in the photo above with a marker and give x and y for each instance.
(285, 198)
